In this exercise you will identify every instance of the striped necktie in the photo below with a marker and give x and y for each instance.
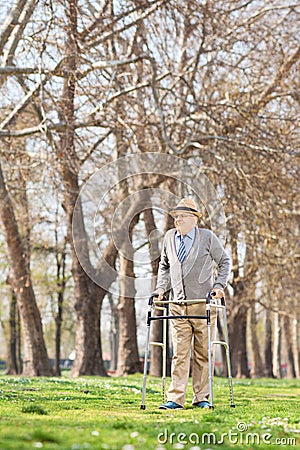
(181, 250)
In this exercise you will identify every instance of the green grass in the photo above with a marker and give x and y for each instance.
(104, 413)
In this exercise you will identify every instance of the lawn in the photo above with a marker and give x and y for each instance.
(104, 413)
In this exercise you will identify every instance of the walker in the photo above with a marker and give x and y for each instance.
(162, 305)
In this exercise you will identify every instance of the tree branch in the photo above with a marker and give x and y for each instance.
(43, 128)
(146, 13)
(283, 70)
(11, 22)
(16, 33)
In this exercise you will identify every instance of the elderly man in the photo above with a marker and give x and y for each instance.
(187, 266)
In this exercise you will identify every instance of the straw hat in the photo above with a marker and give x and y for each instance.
(188, 205)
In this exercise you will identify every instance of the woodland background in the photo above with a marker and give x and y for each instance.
(83, 83)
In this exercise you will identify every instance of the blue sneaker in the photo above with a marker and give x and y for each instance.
(204, 404)
(170, 405)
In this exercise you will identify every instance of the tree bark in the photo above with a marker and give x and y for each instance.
(19, 342)
(88, 302)
(13, 366)
(88, 296)
(237, 326)
(268, 371)
(61, 285)
(295, 346)
(36, 361)
(10, 22)
(12, 28)
(257, 364)
(128, 355)
(88, 348)
(277, 346)
(114, 333)
(290, 369)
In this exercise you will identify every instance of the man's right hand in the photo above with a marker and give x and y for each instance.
(159, 293)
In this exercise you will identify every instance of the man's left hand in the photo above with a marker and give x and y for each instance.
(217, 293)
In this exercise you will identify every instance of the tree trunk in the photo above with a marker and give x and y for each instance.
(268, 371)
(88, 302)
(58, 325)
(295, 346)
(290, 363)
(277, 347)
(19, 342)
(12, 367)
(88, 296)
(257, 364)
(114, 333)
(61, 285)
(128, 355)
(238, 327)
(36, 361)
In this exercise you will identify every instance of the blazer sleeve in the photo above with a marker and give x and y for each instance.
(222, 260)
(163, 273)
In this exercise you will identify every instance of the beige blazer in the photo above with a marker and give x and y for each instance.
(206, 266)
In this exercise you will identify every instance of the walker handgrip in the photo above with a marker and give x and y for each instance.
(212, 294)
(209, 297)
(155, 295)
(152, 296)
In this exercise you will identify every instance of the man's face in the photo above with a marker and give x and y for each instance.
(184, 222)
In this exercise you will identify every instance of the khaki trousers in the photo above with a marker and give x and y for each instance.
(187, 333)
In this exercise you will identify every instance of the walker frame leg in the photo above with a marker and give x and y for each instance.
(143, 405)
(228, 358)
(164, 360)
(163, 346)
(209, 350)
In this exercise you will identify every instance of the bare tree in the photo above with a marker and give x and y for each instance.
(36, 361)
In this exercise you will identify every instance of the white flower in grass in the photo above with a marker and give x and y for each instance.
(95, 433)
(38, 445)
(136, 391)
(134, 434)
